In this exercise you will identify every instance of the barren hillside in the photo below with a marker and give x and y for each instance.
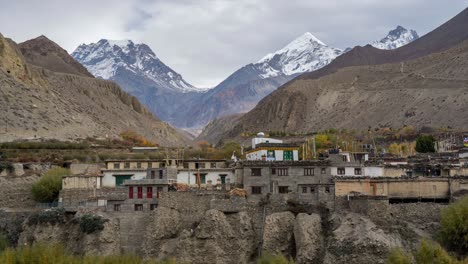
(38, 102)
(429, 91)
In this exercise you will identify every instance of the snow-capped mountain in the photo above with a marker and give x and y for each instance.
(108, 58)
(244, 88)
(305, 53)
(396, 38)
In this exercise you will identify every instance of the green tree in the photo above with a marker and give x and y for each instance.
(425, 144)
(47, 189)
(454, 226)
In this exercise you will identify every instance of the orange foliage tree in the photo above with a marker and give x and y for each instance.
(135, 139)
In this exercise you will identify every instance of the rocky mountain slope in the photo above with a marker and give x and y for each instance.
(44, 53)
(45, 102)
(396, 38)
(428, 91)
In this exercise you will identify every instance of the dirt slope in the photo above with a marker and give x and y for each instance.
(37, 102)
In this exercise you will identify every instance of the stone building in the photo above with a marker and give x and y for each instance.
(311, 180)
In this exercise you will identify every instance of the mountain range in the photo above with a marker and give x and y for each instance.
(137, 69)
(419, 84)
(45, 93)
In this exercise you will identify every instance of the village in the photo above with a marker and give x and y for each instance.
(271, 167)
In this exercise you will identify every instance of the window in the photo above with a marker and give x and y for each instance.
(287, 155)
(283, 189)
(341, 171)
(282, 172)
(344, 158)
(161, 174)
(153, 174)
(162, 165)
(304, 189)
(213, 165)
(323, 171)
(153, 206)
(119, 179)
(312, 189)
(327, 189)
(186, 165)
(117, 207)
(138, 165)
(357, 171)
(256, 172)
(308, 171)
(273, 171)
(149, 192)
(130, 192)
(256, 190)
(150, 165)
(140, 192)
(127, 165)
(138, 207)
(117, 166)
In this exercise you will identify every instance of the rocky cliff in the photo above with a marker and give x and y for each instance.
(189, 229)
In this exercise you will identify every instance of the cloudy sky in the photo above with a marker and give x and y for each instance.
(206, 40)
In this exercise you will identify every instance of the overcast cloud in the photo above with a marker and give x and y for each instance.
(206, 40)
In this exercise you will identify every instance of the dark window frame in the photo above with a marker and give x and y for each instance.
(309, 171)
(341, 171)
(254, 170)
(283, 189)
(256, 189)
(357, 171)
(282, 171)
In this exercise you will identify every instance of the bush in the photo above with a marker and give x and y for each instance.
(7, 166)
(3, 242)
(56, 253)
(273, 259)
(51, 216)
(398, 256)
(454, 226)
(433, 253)
(425, 144)
(47, 189)
(91, 223)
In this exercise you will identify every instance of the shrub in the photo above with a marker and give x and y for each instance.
(3, 242)
(6, 166)
(432, 253)
(56, 253)
(425, 144)
(50, 216)
(398, 256)
(91, 223)
(267, 258)
(47, 189)
(454, 226)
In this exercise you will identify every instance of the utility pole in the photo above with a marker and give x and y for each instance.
(313, 147)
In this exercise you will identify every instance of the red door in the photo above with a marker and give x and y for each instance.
(130, 192)
(140, 192)
(149, 192)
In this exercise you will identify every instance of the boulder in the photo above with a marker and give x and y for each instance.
(18, 169)
(278, 233)
(308, 238)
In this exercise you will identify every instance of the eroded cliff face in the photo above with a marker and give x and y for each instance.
(205, 235)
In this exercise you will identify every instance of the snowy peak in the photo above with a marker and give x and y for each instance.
(110, 59)
(303, 54)
(396, 38)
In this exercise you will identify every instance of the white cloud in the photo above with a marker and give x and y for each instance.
(206, 40)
